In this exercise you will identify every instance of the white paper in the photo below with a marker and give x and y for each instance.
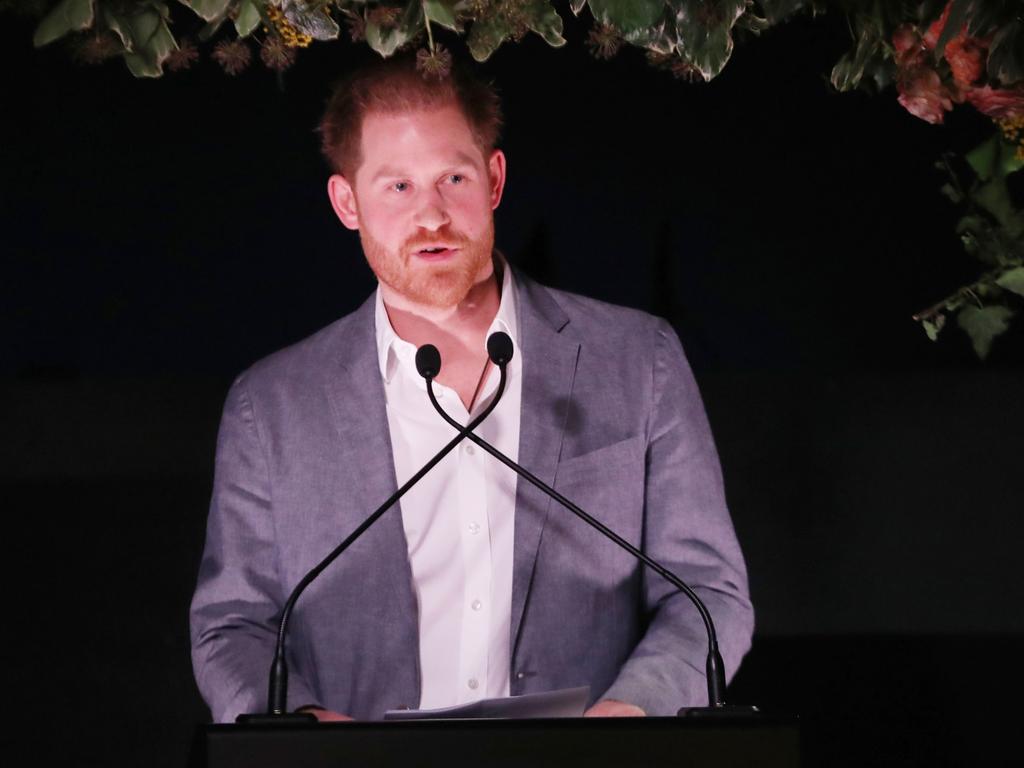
(568, 702)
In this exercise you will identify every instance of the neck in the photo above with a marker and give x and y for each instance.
(442, 326)
(458, 332)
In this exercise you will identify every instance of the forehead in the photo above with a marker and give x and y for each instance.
(417, 137)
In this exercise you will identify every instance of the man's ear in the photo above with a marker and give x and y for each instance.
(496, 168)
(343, 200)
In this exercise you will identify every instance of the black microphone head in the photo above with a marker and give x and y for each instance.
(499, 348)
(428, 361)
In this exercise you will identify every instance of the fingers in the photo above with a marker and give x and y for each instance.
(612, 708)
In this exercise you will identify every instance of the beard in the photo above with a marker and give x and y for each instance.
(440, 285)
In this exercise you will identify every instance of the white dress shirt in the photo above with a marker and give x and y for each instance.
(459, 519)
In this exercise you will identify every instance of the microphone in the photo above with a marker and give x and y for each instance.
(428, 364)
(499, 349)
(428, 361)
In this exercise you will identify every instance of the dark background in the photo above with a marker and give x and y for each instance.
(160, 236)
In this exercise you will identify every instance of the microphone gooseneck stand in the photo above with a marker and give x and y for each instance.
(277, 695)
(500, 350)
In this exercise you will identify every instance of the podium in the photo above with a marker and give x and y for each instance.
(651, 742)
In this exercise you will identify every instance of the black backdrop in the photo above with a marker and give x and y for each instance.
(160, 236)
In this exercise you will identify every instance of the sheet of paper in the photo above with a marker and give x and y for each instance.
(568, 702)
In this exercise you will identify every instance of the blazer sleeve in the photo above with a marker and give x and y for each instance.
(238, 597)
(687, 529)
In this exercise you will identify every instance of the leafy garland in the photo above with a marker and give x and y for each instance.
(937, 54)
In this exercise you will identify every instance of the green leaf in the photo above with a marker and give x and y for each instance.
(661, 38)
(387, 41)
(705, 32)
(1006, 53)
(207, 10)
(210, 29)
(543, 19)
(994, 197)
(951, 192)
(441, 12)
(983, 324)
(777, 10)
(153, 44)
(972, 223)
(120, 28)
(881, 72)
(627, 15)
(751, 22)
(994, 158)
(932, 327)
(954, 23)
(973, 247)
(1012, 280)
(986, 18)
(67, 16)
(486, 35)
(311, 19)
(248, 18)
(847, 73)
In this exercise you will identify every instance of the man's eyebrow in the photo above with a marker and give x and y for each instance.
(386, 172)
(459, 160)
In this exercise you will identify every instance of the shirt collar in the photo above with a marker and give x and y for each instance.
(393, 351)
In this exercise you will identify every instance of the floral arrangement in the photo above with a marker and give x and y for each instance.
(937, 55)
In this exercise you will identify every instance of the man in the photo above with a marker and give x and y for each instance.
(476, 585)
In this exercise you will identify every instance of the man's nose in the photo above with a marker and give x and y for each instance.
(431, 213)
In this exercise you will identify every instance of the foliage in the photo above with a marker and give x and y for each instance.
(938, 54)
(992, 230)
(696, 36)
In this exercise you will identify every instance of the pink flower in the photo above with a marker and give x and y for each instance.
(910, 49)
(966, 57)
(923, 95)
(1000, 104)
(931, 37)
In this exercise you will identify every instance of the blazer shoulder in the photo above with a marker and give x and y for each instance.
(592, 319)
(306, 361)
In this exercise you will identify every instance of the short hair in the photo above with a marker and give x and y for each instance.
(394, 85)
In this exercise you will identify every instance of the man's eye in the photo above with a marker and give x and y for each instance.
(456, 178)
(400, 186)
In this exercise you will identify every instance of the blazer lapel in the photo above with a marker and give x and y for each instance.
(366, 463)
(549, 368)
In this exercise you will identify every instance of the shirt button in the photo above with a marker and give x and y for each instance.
(472, 683)
(474, 527)
(520, 675)
(476, 605)
(469, 449)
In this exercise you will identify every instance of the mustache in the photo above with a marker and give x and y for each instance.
(446, 235)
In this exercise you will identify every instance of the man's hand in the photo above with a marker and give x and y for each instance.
(326, 715)
(612, 708)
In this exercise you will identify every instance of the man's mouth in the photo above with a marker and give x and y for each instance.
(435, 251)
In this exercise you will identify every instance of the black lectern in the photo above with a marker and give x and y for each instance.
(652, 742)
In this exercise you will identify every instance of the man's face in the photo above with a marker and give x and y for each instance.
(423, 201)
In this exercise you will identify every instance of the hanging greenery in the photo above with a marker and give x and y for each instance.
(935, 54)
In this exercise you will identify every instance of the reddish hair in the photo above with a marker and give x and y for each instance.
(393, 86)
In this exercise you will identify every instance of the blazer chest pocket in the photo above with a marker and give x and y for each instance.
(607, 483)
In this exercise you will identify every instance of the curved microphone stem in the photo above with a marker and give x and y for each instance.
(278, 693)
(715, 666)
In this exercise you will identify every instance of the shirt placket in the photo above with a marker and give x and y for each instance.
(476, 555)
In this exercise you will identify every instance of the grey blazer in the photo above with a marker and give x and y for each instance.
(611, 416)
